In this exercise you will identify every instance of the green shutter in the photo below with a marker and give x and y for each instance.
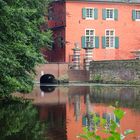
(84, 13)
(103, 42)
(117, 120)
(104, 115)
(104, 14)
(116, 42)
(95, 13)
(83, 42)
(133, 15)
(96, 42)
(116, 14)
(84, 121)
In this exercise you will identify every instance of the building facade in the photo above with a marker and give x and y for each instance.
(109, 28)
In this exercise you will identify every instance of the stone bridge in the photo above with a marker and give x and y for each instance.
(58, 70)
(61, 72)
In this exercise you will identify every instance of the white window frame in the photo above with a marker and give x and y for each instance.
(110, 36)
(108, 124)
(92, 8)
(112, 13)
(88, 125)
(136, 10)
(90, 36)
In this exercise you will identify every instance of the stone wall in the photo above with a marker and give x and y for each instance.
(61, 72)
(78, 75)
(115, 71)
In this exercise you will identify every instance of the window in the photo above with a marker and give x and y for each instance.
(60, 41)
(89, 38)
(108, 117)
(109, 13)
(89, 13)
(50, 13)
(110, 38)
(89, 121)
(138, 14)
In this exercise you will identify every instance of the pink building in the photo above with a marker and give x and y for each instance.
(110, 28)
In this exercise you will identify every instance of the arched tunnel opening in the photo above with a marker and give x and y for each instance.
(48, 79)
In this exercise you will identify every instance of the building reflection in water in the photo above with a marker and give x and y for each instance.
(68, 109)
(55, 117)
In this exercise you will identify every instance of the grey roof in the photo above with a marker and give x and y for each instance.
(114, 1)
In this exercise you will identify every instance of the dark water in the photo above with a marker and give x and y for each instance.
(60, 112)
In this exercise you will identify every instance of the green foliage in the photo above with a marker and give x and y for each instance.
(119, 113)
(128, 131)
(63, 78)
(19, 120)
(112, 132)
(21, 39)
(97, 78)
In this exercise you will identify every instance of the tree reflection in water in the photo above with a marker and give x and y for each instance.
(19, 121)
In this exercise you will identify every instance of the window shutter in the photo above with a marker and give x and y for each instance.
(115, 14)
(104, 115)
(104, 14)
(83, 42)
(84, 13)
(133, 15)
(84, 121)
(96, 42)
(95, 13)
(116, 42)
(117, 120)
(103, 42)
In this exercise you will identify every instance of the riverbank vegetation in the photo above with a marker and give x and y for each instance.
(21, 37)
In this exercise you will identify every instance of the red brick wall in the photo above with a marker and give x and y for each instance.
(57, 53)
(60, 70)
(57, 24)
(126, 29)
(56, 69)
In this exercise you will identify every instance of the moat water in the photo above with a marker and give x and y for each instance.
(60, 112)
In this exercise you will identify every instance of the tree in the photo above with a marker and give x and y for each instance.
(21, 39)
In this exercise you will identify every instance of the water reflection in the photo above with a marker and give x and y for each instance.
(67, 109)
(127, 96)
(55, 115)
(19, 121)
(97, 100)
(47, 89)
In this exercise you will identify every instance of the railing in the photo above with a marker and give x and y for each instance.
(54, 23)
